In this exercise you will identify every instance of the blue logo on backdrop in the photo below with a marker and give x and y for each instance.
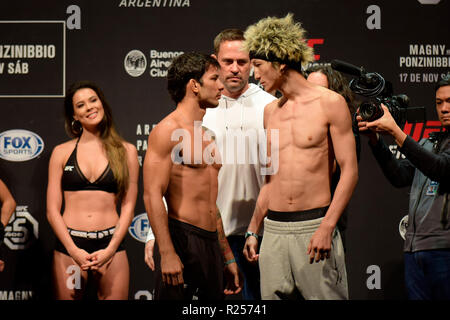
(20, 145)
(139, 227)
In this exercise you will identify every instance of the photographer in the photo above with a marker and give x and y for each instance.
(427, 169)
(8, 205)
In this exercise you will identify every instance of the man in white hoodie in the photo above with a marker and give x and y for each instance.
(238, 127)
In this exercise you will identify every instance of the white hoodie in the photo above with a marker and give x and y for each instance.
(240, 177)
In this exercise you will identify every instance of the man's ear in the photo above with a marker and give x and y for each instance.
(194, 85)
(214, 56)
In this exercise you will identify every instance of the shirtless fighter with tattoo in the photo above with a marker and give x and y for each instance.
(181, 164)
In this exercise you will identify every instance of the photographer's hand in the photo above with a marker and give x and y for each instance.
(387, 124)
(364, 130)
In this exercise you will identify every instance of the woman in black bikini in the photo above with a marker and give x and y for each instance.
(91, 174)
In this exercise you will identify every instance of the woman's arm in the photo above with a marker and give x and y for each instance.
(8, 204)
(128, 202)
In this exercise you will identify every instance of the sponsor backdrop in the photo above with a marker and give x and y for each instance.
(126, 46)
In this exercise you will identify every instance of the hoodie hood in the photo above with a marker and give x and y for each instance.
(238, 103)
(252, 89)
(245, 112)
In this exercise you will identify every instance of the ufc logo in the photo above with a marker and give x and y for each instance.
(312, 42)
(422, 130)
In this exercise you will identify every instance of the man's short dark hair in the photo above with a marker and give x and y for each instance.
(185, 67)
(444, 82)
(227, 35)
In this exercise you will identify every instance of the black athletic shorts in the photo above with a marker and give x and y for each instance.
(200, 253)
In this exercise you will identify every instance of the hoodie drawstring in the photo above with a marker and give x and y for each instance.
(242, 113)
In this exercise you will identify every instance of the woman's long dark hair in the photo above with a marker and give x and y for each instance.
(336, 82)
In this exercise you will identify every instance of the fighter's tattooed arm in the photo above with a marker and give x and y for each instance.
(224, 246)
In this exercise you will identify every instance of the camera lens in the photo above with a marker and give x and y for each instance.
(370, 111)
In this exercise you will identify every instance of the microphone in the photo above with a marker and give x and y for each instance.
(346, 67)
(365, 78)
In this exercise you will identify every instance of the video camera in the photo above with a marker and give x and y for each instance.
(380, 91)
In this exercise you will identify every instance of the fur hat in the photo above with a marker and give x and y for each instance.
(278, 39)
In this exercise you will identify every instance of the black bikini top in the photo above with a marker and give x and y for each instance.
(73, 178)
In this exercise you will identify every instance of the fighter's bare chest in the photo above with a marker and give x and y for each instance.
(195, 150)
(301, 126)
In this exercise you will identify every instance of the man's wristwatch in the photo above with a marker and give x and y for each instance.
(249, 233)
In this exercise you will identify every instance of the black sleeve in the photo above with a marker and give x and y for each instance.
(434, 166)
(400, 173)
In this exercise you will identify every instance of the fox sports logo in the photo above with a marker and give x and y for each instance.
(20, 145)
(139, 227)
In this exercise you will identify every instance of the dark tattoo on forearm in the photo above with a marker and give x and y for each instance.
(224, 246)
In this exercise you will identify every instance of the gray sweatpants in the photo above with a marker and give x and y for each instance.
(285, 269)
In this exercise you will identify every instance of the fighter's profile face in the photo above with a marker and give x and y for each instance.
(210, 89)
(235, 65)
(266, 74)
(87, 107)
(443, 105)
